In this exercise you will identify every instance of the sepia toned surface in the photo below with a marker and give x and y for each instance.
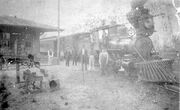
(89, 55)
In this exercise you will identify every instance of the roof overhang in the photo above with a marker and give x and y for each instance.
(77, 34)
(52, 38)
(13, 24)
(107, 27)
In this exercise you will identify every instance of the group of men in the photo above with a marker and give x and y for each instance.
(76, 56)
(87, 59)
(68, 55)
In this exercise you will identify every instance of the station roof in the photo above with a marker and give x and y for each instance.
(77, 34)
(50, 38)
(46, 37)
(107, 27)
(11, 24)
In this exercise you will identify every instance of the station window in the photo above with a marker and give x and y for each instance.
(28, 44)
(4, 43)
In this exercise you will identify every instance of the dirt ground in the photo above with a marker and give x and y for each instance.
(94, 92)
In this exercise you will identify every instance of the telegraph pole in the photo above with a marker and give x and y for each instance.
(58, 40)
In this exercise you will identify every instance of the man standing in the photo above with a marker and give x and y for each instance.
(50, 57)
(75, 57)
(103, 61)
(61, 56)
(68, 57)
(84, 58)
(91, 60)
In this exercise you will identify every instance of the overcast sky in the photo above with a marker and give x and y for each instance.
(72, 12)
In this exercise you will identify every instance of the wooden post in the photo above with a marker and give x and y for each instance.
(58, 41)
(83, 75)
(17, 64)
(17, 72)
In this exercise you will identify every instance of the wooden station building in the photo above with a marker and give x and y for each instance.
(19, 38)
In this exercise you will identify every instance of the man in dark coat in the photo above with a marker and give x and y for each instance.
(75, 57)
(68, 57)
